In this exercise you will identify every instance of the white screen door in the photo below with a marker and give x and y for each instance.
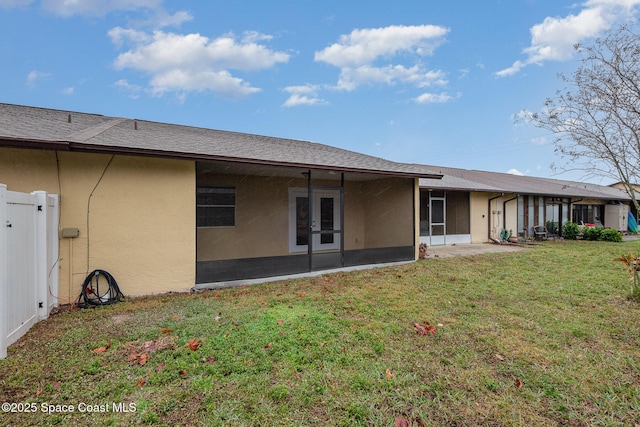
(324, 219)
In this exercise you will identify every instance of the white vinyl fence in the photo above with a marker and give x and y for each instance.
(28, 261)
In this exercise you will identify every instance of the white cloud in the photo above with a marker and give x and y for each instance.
(14, 3)
(303, 95)
(365, 46)
(192, 62)
(351, 78)
(221, 82)
(134, 90)
(514, 171)
(433, 98)
(34, 76)
(522, 117)
(68, 90)
(554, 38)
(156, 15)
(160, 18)
(95, 7)
(358, 55)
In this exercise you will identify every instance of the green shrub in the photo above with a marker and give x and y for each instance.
(610, 235)
(552, 227)
(591, 233)
(570, 230)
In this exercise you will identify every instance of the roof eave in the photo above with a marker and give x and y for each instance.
(91, 148)
(207, 157)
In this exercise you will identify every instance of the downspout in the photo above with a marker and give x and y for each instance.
(489, 213)
(504, 211)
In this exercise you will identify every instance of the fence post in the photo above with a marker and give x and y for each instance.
(40, 267)
(4, 277)
(53, 248)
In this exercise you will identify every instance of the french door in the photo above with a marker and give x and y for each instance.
(320, 219)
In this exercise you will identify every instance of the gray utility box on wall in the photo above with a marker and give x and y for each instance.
(615, 216)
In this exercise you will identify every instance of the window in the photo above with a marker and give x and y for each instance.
(588, 214)
(216, 207)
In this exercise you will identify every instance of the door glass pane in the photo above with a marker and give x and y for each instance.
(302, 221)
(326, 219)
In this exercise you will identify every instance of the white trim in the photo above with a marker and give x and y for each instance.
(447, 239)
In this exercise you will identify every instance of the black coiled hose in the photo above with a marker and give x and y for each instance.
(99, 288)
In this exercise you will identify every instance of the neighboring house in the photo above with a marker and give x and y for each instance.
(470, 206)
(164, 207)
(636, 190)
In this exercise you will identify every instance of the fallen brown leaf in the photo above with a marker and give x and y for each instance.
(166, 331)
(141, 382)
(39, 391)
(401, 422)
(425, 329)
(102, 349)
(390, 374)
(268, 346)
(500, 357)
(139, 358)
(193, 344)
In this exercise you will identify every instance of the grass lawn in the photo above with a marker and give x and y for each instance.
(540, 337)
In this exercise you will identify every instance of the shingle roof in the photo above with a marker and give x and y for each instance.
(474, 180)
(47, 128)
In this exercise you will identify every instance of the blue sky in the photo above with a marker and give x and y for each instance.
(420, 81)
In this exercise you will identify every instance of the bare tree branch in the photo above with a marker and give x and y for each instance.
(596, 118)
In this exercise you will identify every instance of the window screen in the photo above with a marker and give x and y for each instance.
(216, 207)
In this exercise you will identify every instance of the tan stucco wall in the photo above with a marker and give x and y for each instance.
(496, 214)
(262, 218)
(511, 222)
(142, 216)
(354, 222)
(479, 217)
(377, 214)
(389, 212)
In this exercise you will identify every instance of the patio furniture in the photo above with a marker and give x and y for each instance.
(540, 232)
